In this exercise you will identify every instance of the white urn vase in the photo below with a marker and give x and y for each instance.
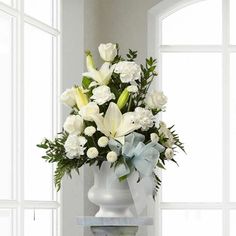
(112, 196)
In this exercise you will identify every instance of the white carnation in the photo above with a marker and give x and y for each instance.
(103, 141)
(74, 146)
(132, 89)
(154, 137)
(129, 71)
(107, 51)
(89, 110)
(74, 124)
(92, 152)
(89, 131)
(162, 126)
(169, 153)
(144, 118)
(156, 100)
(68, 97)
(102, 94)
(111, 156)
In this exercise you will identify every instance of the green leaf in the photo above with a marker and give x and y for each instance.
(159, 164)
(122, 178)
(86, 81)
(44, 146)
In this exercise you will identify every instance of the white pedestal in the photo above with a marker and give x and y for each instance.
(115, 226)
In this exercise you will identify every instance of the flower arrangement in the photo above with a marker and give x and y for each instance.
(115, 118)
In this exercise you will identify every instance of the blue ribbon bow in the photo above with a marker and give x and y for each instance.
(142, 157)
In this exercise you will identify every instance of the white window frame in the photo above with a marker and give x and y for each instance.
(18, 204)
(155, 17)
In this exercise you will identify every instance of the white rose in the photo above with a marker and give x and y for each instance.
(111, 156)
(74, 124)
(156, 100)
(107, 51)
(169, 153)
(132, 89)
(89, 131)
(74, 146)
(144, 118)
(89, 110)
(68, 97)
(92, 152)
(129, 71)
(154, 137)
(103, 141)
(102, 94)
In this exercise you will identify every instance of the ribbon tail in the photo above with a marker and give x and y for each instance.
(140, 191)
(122, 170)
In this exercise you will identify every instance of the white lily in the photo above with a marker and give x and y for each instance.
(115, 124)
(102, 76)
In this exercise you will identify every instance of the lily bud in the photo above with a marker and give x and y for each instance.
(123, 99)
(89, 61)
(80, 97)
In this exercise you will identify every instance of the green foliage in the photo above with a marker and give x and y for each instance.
(148, 74)
(55, 153)
(132, 55)
(157, 183)
(178, 143)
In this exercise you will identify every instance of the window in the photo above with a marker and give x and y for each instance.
(196, 47)
(29, 58)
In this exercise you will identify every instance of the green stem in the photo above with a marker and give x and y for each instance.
(95, 144)
(130, 102)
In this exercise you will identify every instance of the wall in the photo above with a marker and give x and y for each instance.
(122, 21)
(72, 68)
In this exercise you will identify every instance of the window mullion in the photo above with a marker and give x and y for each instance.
(7, 9)
(197, 205)
(30, 20)
(40, 25)
(192, 48)
(20, 118)
(226, 115)
(158, 84)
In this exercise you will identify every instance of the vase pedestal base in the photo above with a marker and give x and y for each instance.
(114, 226)
(114, 230)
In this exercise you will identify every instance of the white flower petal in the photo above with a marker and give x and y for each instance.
(113, 118)
(99, 120)
(127, 125)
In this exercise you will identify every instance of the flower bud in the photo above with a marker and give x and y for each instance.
(92, 153)
(80, 98)
(89, 131)
(89, 61)
(123, 99)
(154, 137)
(169, 153)
(103, 141)
(107, 51)
(111, 156)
